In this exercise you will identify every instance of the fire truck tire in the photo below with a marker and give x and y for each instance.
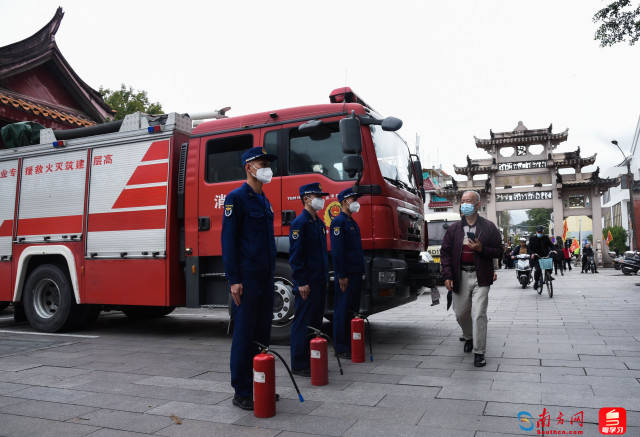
(141, 313)
(283, 303)
(3, 305)
(48, 300)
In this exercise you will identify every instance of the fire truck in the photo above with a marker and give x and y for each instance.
(127, 215)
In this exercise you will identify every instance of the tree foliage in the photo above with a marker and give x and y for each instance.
(126, 100)
(537, 217)
(619, 21)
(619, 235)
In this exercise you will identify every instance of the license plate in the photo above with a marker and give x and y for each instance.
(436, 259)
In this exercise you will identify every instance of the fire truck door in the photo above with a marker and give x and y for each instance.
(221, 172)
(8, 179)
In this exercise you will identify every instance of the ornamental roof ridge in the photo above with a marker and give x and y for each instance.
(522, 135)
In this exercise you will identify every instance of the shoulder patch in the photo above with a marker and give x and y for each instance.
(295, 234)
(228, 210)
(336, 231)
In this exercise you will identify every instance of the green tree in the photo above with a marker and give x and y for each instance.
(618, 21)
(126, 100)
(619, 235)
(537, 217)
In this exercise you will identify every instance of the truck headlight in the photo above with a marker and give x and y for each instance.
(387, 277)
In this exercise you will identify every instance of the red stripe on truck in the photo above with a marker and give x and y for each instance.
(149, 174)
(70, 224)
(136, 197)
(127, 221)
(6, 228)
(157, 150)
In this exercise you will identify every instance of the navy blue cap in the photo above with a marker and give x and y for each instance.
(257, 153)
(314, 188)
(345, 194)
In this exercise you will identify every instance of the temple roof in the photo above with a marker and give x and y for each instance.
(44, 110)
(41, 48)
(522, 135)
(588, 180)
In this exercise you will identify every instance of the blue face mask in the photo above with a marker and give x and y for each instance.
(539, 235)
(467, 209)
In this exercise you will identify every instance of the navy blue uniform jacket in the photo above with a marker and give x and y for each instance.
(248, 244)
(308, 250)
(346, 246)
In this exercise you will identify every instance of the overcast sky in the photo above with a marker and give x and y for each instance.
(449, 69)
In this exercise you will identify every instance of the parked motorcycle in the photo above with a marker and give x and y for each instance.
(630, 263)
(523, 269)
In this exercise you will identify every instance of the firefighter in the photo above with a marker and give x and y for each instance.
(249, 254)
(348, 266)
(308, 260)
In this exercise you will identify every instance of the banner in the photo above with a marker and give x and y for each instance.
(609, 237)
(565, 229)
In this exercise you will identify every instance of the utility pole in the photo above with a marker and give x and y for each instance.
(630, 211)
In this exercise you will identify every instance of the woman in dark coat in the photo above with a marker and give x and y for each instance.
(558, 258)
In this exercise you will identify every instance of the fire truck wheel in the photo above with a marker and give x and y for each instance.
(283, 302)
(3, 305)
(48, 300)
(140, 313)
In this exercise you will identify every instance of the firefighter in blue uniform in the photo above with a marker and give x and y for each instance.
(348, 265)
(309, 264)
(249, 255)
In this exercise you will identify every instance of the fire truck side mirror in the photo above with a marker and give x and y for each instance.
(391, 124)
(352, 165)
(350, 136)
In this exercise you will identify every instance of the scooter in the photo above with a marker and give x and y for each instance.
(590, 265)
(523, 269)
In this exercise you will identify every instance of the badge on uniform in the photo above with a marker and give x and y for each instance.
(228, 209)
(336, 231)
(295, 234)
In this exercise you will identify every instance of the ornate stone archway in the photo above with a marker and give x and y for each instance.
(522, 172)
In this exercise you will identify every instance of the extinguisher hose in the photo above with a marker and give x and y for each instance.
(368, 335)
(330, 340)
(266, 349)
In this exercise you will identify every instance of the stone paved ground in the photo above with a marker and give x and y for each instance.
(574, 353)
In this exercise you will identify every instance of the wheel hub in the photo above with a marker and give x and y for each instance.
(46, 298)
(283, 302)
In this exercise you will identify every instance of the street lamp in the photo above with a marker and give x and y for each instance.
(627, 160)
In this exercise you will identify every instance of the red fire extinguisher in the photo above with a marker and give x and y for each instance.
(357, 339)
(319, 358)
(264, 382)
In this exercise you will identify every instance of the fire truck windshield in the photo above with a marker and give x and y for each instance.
(393, 158)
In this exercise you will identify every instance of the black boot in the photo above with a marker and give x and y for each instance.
(468, 345)
(244, 403)
(479, 360)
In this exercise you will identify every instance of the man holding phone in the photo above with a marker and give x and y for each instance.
(466, 255)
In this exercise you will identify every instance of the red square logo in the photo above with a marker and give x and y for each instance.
(612, 421)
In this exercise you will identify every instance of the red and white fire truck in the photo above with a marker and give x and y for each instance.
(127, 215)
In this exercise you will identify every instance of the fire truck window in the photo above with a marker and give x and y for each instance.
(319, 152)
(271, 146)
(223, 158)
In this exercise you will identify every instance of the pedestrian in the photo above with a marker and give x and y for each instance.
(558, 257)
(467, 252)
(348, 266)
(309, 266)
(567, 255)
(249, 255)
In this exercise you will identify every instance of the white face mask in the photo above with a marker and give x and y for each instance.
(264, 175)
(317, 203)
(354, 207)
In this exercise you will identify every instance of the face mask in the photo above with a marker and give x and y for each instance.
(467, 209)
(354, 207)
(539, 235)
(317, 203)
(264, 175)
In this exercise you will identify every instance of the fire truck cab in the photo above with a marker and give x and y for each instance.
(128, 215)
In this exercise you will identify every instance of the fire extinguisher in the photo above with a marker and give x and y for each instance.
(264, 382)
(358, 337)
(319, 360)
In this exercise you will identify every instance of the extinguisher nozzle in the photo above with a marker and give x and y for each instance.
(300, 397)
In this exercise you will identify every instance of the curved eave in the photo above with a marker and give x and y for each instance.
(523, 139)
(582, 162)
